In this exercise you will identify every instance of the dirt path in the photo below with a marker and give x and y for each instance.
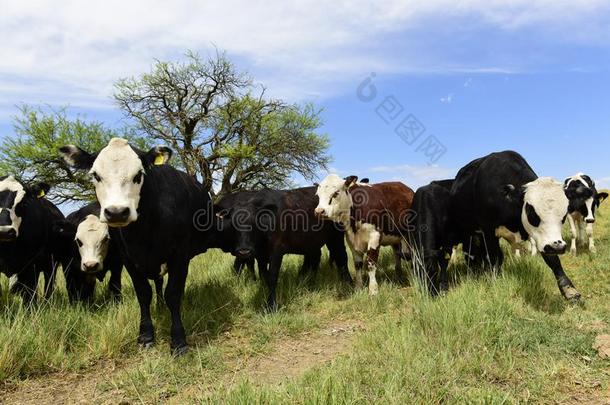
(288, 358)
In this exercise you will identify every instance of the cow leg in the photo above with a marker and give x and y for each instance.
(238, 265)
(398, 264)
(159, 291)
(143, 290)
(49, 280)
(338, 256)
(25, 284)
(250, 267)
(358, 265)
(563, 282)
(592, 248)
(574, 231)
(114, 284)
(372, 255)
(176, 281)
(443, 282)
(271, 278)
(311, 263)
(494, 251)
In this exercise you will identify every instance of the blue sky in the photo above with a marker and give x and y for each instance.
(480, 76)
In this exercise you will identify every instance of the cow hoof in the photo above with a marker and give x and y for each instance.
(180, 351)
(573, 251)
(146, 342)
(571, 294)
(593, 250)
(373, 291)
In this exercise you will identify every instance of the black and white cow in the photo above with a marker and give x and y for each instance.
(158, 213)
(500, 193)
(26, 243)
(584, 201)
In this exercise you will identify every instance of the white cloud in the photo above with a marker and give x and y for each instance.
(447, 99)
(75, 50)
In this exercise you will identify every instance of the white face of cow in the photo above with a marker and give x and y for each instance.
(118, 175)
(544, 211)
(11, 194)
(92, 239)
(335, 201)
(117, 172)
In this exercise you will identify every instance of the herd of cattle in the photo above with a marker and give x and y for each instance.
(151, 219)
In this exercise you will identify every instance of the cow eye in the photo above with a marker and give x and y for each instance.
(532, 216)
(96, 177)
(333, 196)
(137, 179)
(79, 242)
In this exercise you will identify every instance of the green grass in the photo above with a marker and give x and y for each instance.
(492, 339)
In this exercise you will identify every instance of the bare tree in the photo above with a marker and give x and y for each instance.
(206, 110)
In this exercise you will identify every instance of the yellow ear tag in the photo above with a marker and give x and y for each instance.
(159, 160)
(41, 194)
(447, 256)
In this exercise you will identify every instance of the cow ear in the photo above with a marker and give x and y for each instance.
(601, 196)
(39, 190)
(350, 180)
(64, 229)
(510, 192)
(365, 180)
(157, 156)
(76, 157)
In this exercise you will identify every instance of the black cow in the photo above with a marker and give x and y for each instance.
(434, 237)
(158, 213)
(584, 201)
(26, 244)
(269, 224)
(501, 194)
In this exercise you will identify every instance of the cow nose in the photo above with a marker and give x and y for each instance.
(555, 248)
(590, 220)
(116, 214)
(90, 266)
(244, 252)
(8, 234)
(320, 211)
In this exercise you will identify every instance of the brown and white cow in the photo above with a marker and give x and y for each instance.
(373, 215)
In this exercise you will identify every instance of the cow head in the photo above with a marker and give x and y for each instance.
(92, 238)
(244, 224)
(118, 173)
(584, 198)
(544, 207)
(335, 201)
(14, 198)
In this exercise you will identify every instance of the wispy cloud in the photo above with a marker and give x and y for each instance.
(72, 52)
(447, 99)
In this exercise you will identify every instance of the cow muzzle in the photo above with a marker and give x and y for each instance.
(244, 253)
(117, 216)
(555, 248)
(321, 212)
(590, 220)
(7, 233)
(91, 267)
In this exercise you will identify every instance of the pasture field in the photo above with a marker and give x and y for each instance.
(494, 339)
